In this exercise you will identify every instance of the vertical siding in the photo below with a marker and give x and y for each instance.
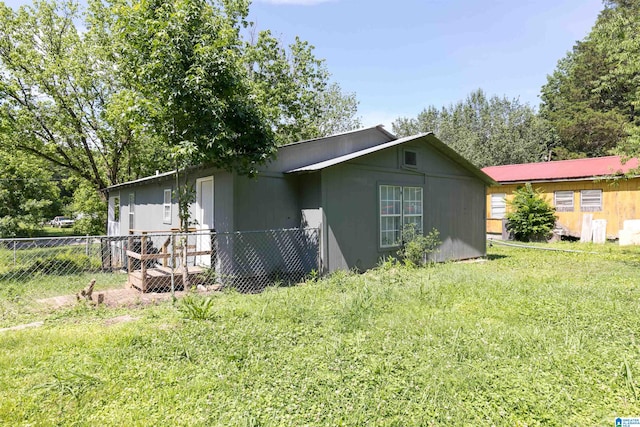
(454, 204)
(266, 202)
(620, 201)
(455, 207)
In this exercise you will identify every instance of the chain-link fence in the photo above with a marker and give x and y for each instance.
(159, 262)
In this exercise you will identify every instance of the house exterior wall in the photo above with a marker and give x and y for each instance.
(149, 199)
(620, 202)
(266, 202)
(453, 202)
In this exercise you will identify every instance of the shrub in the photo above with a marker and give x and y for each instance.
(531, 216)
(416, 246)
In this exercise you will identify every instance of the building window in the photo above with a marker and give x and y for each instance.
(132, 204)
(410, 159)
(563, 201)
(166, 207)
(398, 206)
(498, 205)
(591, 200)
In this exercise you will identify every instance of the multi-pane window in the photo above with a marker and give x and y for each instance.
(563, 201)
(498, 205)
(591, 200)
(166, 207)
(398, 206)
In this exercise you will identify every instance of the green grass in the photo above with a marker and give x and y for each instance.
(527, 338)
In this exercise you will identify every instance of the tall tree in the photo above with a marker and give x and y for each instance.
(592, 97)
(293, 88)
(61, 98)
(486, 131)
(183, 59)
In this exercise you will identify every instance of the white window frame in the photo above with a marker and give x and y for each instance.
(563, 200)
(499, 204)
(397, 207)
(166, 206)
(591, 200)
(132, 210)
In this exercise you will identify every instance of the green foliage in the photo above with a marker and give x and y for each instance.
(292, 88)
(486, 131)
(194, 307)
(183, 60)
(592, 97)
(530, 216)
(417, 246)
(90, 210)
(63, 98)
(28, 197)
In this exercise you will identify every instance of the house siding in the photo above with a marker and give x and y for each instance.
(619, 203)
(268, 201)
(453, 204)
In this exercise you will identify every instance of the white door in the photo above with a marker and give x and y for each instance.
(204, 216)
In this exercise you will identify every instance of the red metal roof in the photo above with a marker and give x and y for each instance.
(561, 170)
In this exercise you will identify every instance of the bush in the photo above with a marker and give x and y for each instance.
(416, 246)
(531, 217)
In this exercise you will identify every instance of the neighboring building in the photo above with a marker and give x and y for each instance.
(596, 186)
(358, 188)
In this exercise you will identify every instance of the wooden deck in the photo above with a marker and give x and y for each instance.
(158, 279)
(150, 272)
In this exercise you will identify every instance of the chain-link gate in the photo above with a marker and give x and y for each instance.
(160, 262)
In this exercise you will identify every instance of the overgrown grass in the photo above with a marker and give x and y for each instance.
(526, 338)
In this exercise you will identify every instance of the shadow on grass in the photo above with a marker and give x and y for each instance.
(493, 257)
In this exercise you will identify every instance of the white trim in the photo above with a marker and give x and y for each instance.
(166, 206)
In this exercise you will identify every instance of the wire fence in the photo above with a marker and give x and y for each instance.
(162, 262)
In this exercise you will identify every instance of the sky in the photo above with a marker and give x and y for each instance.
(399, 57)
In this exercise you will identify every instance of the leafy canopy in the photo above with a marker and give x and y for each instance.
(592, 97)
(486, 131)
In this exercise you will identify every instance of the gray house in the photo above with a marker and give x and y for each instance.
(358, 188)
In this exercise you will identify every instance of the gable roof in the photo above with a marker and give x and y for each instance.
(428, 138)
(562, 170)
(316, 154)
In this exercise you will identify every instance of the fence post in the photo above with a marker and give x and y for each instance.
(14, 253)
(173, 265)
(86, 247)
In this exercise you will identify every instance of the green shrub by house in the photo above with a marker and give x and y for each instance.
(531, 217)
(416, 246)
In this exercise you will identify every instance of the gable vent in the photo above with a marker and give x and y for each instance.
(410, 158)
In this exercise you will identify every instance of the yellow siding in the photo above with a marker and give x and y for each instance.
(620, 201)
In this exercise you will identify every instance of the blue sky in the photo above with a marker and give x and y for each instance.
(400, 57)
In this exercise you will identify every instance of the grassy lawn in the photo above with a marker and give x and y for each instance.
(526, 338)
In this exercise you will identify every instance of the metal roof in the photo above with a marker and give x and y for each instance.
(562, 169)
(425, 137)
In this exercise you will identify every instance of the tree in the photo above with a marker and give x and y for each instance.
(61, 96)
(531, 217)
(89, 208)
(486, 131)
(27, 195)
(592, 97)
(292, 87)
(183, 59)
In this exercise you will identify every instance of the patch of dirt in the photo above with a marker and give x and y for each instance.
(126, 297)
(20, 327)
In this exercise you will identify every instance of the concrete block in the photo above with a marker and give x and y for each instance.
(628, 237)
